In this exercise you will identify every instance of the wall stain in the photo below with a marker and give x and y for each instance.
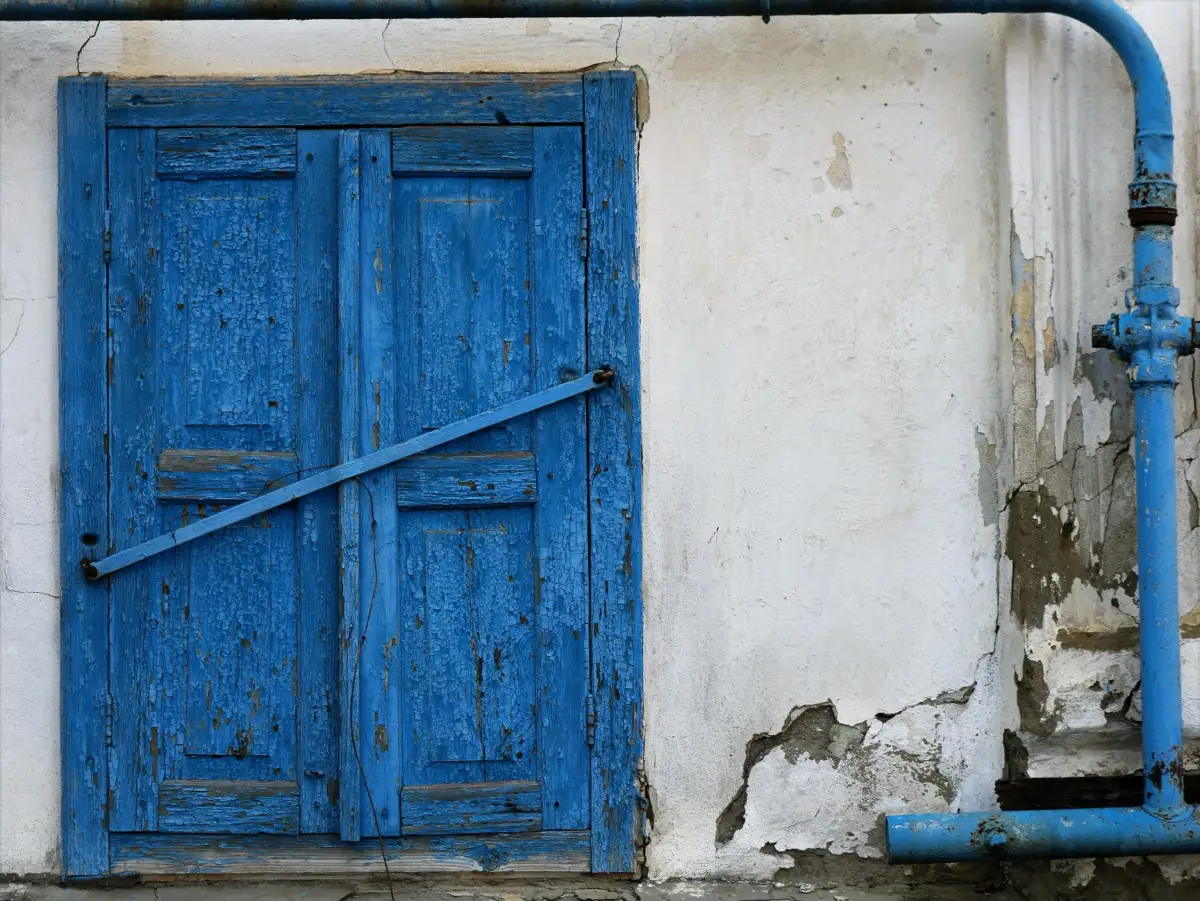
(838, 173)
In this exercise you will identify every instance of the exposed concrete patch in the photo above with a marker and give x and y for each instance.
(820, 784)
(1101, 880)
(820, 870)
(812, 731)
(989, 479)
(1016, 756)
(1032, 694)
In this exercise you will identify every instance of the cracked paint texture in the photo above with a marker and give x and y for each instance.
(824, 785)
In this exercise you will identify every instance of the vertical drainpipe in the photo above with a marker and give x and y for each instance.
(1149, 336)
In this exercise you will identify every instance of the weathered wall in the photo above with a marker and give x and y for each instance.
(838, 220)
(1070, 515)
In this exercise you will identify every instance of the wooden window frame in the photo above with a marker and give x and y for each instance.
(604, 104)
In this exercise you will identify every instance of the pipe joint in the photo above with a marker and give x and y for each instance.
(1152, 202)
(1150, 335)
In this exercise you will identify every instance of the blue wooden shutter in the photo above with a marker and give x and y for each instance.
(473, 581)
(223, 382)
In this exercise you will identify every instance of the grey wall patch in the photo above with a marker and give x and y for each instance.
(989, 479)
(811, 730)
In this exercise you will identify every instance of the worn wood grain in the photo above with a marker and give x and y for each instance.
(349, 502)
(379, 672)
(199, 153)
(466, 592)
(225, 807)
(83, 511)
(478, 150)
(556, 194)
(143, 618)
(317, 204)
(203, 476)
(326, 855)
(222, 380)
(366, 101)
(490, 308)
(615, 462)
(453, 255)
(500, 479)
(471, 808)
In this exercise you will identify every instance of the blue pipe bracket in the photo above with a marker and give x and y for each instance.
(1149, 336)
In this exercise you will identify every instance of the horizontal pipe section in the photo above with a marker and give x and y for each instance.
(1152, 103)
(1100, 832)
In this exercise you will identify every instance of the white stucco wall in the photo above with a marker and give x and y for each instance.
(825, 208)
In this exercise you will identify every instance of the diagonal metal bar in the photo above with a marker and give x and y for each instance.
(240, 513)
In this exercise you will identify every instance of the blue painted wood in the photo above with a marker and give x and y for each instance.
(475, 300)
(379, 672)
(317, 201)
(471, 808)
(453, 302)
(193, 476)
(477, 326)
(503, 478)
(350, 628)
(241, 649)
(385, 101)
(83, 415)
(478, 150)
(500, 551)
(200, 153)
(236, 808)
(562, 511)
(226, 341)
(145, 622)
(366, 464)
(326, 855)
(614, 460)
(224, 653)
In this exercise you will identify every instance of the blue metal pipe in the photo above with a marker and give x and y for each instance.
(1150, 335)
(1016, 835)
(1152, 102)
(1162, 718)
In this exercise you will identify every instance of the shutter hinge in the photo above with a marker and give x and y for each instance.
(589, 718)
(107, 236)
(108, 720)
(583, 233)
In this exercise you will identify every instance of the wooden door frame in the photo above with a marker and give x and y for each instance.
(603, 103)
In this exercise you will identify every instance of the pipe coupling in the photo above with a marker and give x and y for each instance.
(1152, 202)
(1150, 335)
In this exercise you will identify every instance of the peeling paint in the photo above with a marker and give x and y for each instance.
(812, 731)
(821, 784)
